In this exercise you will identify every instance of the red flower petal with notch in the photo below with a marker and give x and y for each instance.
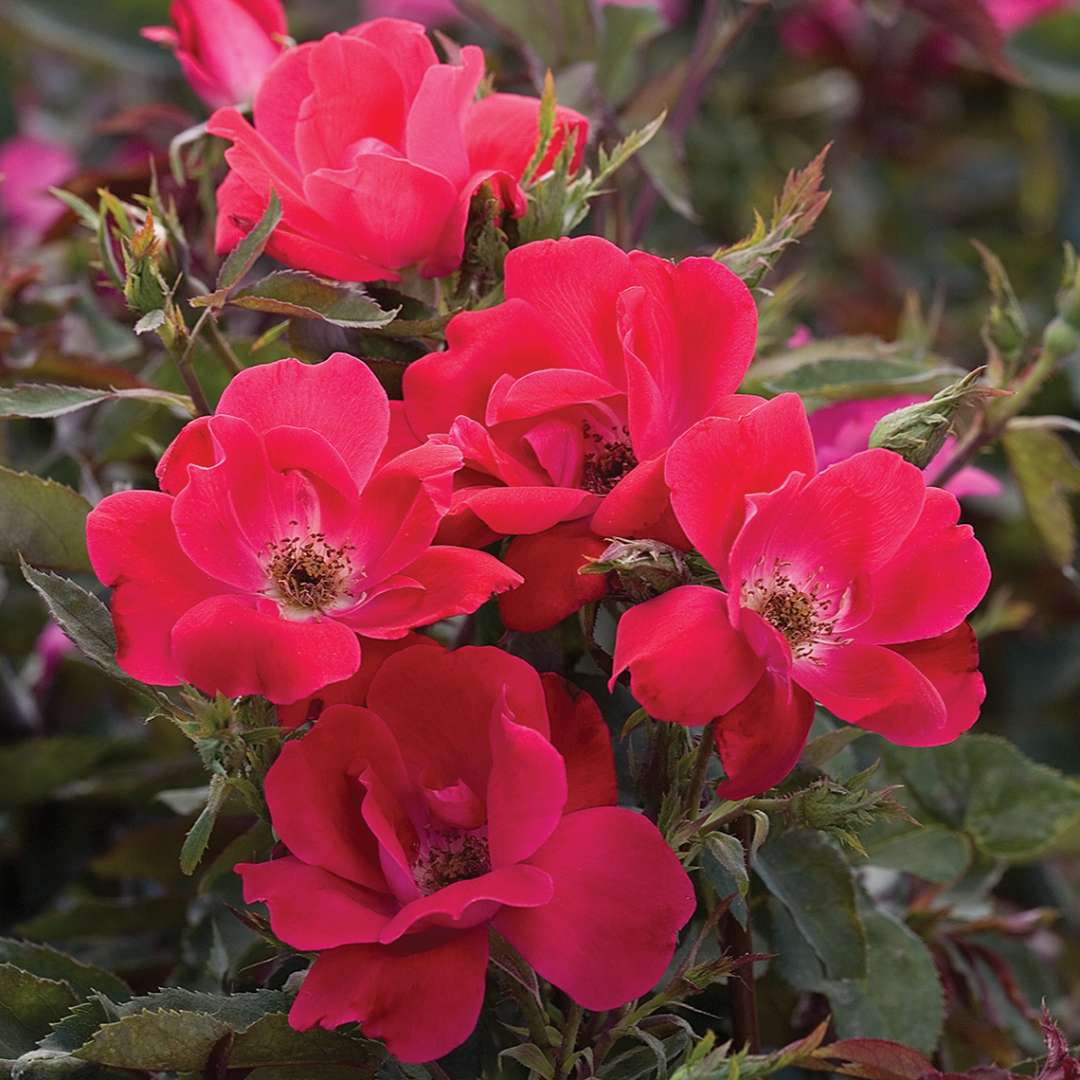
(278, 536)
(849, 587)
(375, 150)
(413, 828)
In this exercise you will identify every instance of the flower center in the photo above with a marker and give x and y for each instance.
(446, 856)
(309, 573)
(608, 458)
(802, 615)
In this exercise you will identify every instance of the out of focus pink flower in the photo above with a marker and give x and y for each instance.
(29, 166)
(441, 12)
(223, 46)
(843, 429)
(1013, 15)
(52, 647)
(800, 336)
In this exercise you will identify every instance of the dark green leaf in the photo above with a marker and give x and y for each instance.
(50, 963)
(1048, 474)
(98, 917)
(32, 770)
(40, 400)
(164, 1040)
(931, 852)
(304, 296)
(723, 862)
(271, 1041)
(42, 521)
(28, 1005)
(191, 852)
(806, 872)
(242, 257)
(1012, 808)
(81, 615)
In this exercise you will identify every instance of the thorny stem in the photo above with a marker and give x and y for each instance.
(738, 940)
(705, 57)
(569, 1042)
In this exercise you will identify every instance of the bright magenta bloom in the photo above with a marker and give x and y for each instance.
(844, 428)
(224, 47)
(376, 150)
(565, 398)
(848, 587)
(279, 535)
(471, 792)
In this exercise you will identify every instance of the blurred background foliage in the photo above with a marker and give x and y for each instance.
(933, 143)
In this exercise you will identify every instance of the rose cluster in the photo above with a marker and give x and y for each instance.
(308, 530)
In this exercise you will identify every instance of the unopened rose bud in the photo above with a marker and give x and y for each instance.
(644, 568)
(918, 432)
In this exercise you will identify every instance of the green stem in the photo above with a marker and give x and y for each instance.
(701, 769)
(569, 1042)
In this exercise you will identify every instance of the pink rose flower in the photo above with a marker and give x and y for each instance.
(564, 399)
(375, 150)
(224, 47)
(470, 794)
(29, 166)
(848, 587)
(280, 533)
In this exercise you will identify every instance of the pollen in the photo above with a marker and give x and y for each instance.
(607, 459)
(801, 614)
(448, 856)
(309, 573)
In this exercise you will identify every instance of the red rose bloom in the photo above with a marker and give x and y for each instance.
(375, 150)
(564, 399)
(848, 587)
(224, 47)
(279, 535)
(470, 793)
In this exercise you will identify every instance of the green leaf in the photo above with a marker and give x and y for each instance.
(50, 963)
(723, 862)
(160, 1040)
(821, 379)
(28, 1005)
(625, 30)
(931, 852)
(1012, 808)
(304, 296)
(42, 400)
(81, 615)
(1047, 473)
(899, 997)
(271, 1041)
(809, 876)
(34, 768)
(532, 1057)
(194, 846)
(242, 257)
(42, 521)
(99, 918)
(825, 747)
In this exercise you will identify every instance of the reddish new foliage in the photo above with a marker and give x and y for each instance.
(848, 587)
(279, 534)
(224, 47)
(369, 191)
(564, 399)
(470, 793)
